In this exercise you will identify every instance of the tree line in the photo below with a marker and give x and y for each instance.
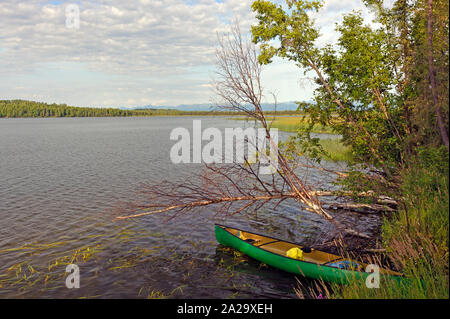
(23, 108)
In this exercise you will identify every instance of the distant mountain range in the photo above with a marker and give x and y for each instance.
(284, 106)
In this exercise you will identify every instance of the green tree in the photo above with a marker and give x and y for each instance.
(368, 86)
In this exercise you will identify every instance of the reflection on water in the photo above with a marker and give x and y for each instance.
(61, 178)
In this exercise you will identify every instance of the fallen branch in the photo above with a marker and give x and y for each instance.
(209, 202)
(381, 199)
(360, 207)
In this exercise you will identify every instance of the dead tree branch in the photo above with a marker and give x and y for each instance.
(238, 187)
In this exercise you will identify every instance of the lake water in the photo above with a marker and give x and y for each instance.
(60, 182)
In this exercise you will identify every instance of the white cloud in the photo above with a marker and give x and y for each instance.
(158, 50)
(116, 36)
(332, 13)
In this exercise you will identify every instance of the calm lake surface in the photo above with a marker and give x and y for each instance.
(61, 179)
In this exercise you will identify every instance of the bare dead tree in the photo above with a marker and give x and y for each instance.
(237, 187)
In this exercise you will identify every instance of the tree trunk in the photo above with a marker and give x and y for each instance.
(431, 71)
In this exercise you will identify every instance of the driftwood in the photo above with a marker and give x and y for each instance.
(359, 207)
(380, 199)
(383, 203)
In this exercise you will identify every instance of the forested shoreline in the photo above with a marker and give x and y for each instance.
(23, 108)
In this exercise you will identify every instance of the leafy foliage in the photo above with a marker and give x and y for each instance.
(370, 81)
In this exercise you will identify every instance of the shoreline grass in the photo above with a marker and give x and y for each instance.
(416, 238)
(290, 123)
(336, 150)
(334, 147)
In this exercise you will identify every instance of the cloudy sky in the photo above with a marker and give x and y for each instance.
(132, 53)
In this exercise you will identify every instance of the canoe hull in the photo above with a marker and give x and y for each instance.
(298, 267)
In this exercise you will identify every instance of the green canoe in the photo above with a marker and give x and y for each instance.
(315, 264)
